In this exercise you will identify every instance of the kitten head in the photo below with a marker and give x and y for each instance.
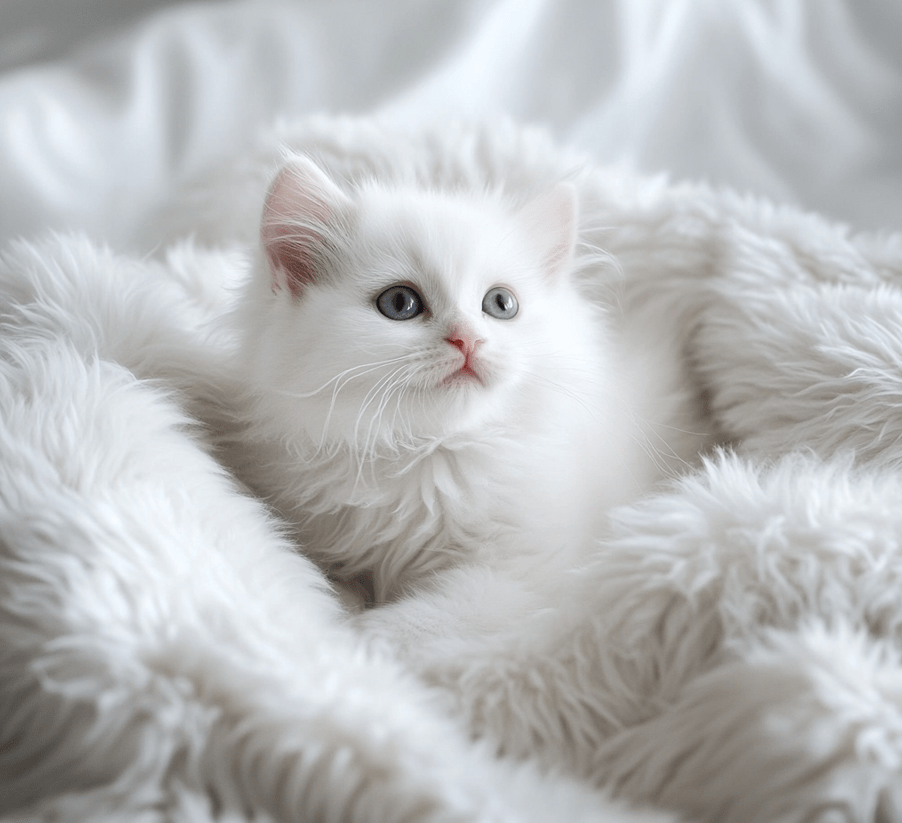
(395, 313)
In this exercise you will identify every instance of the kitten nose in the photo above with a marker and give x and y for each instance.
(467, 343)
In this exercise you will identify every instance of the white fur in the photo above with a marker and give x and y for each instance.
(730, 650)
(576, 667)
(164, 654)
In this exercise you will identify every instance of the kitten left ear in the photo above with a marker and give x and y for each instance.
(550, 223)
(301, 210)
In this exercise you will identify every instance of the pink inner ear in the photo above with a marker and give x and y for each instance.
(550, 222)
(300, 205)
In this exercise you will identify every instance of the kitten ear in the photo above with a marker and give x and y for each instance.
(550, 223)
(301, 208)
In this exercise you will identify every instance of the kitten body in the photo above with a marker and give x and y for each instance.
(402, 447)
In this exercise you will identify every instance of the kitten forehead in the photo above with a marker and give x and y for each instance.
(461, 238)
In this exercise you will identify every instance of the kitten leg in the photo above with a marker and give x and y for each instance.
(520, 661)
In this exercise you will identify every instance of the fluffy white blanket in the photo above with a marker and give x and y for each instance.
(731, 654)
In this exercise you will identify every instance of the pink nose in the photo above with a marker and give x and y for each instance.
(464, 342)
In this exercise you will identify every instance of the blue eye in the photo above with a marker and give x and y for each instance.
(400, 303)
(500, 303)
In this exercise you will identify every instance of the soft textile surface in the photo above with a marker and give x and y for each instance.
(798, 101)
(754, 608)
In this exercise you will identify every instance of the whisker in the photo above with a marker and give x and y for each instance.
(367, 368)
(366, 455)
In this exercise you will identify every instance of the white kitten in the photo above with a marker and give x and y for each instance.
(432, 384)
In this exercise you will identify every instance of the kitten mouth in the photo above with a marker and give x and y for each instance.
(465, 374)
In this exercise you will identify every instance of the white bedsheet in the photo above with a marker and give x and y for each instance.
(104, 104)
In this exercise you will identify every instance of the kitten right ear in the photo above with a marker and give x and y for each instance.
(550, 221)
(301, 207)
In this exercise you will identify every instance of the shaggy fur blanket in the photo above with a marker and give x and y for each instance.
(733, 651)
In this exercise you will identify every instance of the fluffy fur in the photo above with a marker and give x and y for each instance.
(731, 649)
(164, 654)
(577, 669)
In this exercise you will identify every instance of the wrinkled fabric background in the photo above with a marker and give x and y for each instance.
(105, 104)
